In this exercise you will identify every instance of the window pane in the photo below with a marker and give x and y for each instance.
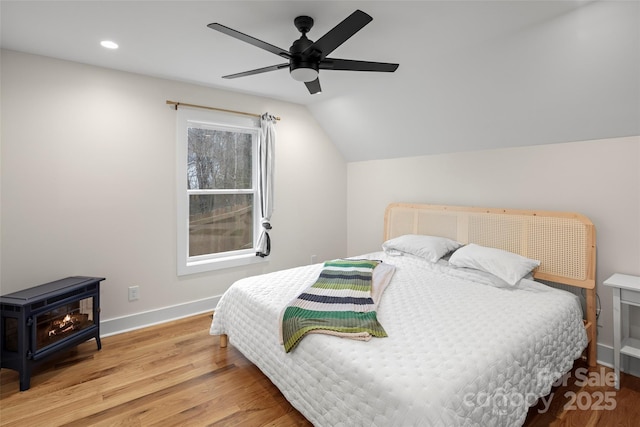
(218, 159)
(220, 223)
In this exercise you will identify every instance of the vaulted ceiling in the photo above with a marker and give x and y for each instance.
(473, 74)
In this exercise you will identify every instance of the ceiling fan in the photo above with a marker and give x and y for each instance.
(307, 58)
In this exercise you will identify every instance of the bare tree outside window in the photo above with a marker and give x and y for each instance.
(220, 187)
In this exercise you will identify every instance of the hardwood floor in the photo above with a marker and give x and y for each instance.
(588, 399)
(176, 375)
(170, 375)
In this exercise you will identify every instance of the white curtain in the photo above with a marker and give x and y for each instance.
(266, 144)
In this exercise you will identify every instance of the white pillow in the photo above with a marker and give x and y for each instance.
(506, 265)
(431, 248)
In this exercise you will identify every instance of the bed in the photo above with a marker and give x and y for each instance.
(462, 348)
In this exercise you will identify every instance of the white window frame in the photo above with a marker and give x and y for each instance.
(202, 263)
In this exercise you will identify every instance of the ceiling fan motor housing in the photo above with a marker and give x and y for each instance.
(304, 68)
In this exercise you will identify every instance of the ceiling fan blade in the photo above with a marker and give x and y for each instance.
(256, 71)
(314, 86)
(353, 65)
(339, 34)
(251, 40)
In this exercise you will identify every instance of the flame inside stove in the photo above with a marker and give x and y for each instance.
(61, 326)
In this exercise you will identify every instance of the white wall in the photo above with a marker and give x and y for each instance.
(600, 179)
(88, 183)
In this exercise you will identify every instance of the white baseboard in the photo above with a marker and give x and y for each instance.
(605, 358)
(135, 321)
(605, 355)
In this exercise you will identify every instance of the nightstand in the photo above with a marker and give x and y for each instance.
(626, 292)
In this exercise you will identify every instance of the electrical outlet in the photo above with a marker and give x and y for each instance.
(314, 259)
(134, 293)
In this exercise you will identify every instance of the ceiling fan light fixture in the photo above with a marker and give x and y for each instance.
(304, 74)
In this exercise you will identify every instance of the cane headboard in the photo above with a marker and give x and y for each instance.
(563, 242)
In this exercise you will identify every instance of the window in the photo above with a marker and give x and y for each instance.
(218, 211)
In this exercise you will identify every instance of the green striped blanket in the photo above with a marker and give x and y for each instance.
(338, 303)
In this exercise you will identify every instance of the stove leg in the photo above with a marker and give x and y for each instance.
(25, 377)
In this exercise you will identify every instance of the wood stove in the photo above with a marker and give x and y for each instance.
(36, 323)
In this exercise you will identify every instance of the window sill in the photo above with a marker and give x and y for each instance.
(194, 267)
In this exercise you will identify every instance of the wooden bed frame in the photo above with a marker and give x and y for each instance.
(563, 242)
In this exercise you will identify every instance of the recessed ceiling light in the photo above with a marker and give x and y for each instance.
(109, 44)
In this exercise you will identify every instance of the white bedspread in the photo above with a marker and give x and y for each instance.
(459, 351)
